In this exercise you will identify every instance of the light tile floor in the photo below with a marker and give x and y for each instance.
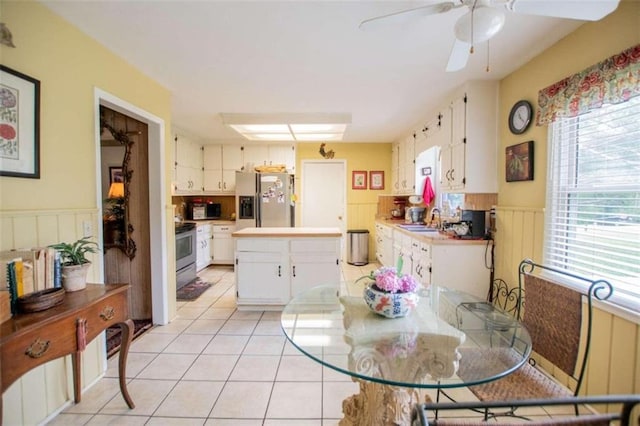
(215, 365)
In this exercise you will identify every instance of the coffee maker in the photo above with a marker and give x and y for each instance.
(476, 219)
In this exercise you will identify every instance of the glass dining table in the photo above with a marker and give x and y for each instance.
(450, 339)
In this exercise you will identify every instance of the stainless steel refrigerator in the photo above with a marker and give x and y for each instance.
(264, 200)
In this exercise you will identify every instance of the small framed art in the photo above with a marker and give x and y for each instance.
(519, 162)
(115, 175)
(19, 124)
(359, 179)
(376, 179)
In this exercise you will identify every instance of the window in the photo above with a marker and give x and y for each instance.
(592, 222)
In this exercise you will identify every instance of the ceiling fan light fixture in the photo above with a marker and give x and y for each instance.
(487, 22)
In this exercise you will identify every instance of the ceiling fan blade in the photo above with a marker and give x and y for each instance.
(586, 10)
(459, 56)
(430, 9)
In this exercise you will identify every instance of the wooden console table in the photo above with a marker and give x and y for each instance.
(30, 340)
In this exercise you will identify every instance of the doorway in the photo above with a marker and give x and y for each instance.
(324, 201)
(159, 240)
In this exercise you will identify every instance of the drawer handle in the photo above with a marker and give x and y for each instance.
(37, 348)
(107, 313)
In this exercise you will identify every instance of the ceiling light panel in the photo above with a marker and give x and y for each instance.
(260, 128)
(318, 128)
(288, 127)
(268, 136)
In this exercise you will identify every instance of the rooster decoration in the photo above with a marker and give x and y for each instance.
(326, 154)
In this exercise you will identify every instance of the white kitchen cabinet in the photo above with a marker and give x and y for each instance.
(270, 271)
(469, 156)
(395, 167)
(262, 278)
(203, 248)
(255, 155)
(220, 164)
(268, 155)
(453, 136)
(407, 168)
(313, 262)
(223, 249)
(459, 265)
(422, 262)
(283, 154)
(384, 244)
(188, 166)
(403, 166)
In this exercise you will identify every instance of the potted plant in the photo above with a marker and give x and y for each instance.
(74, 263)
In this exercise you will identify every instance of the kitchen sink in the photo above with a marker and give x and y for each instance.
(417, 228)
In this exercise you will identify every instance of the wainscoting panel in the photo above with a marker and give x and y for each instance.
(614, 361)
(46, 389)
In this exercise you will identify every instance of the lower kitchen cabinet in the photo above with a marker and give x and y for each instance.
(203, 247)
(461, 265)
(384, 245)
(222, 250)
(270, 271)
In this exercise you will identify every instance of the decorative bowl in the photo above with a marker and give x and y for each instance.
(40, 300)
(390, 305)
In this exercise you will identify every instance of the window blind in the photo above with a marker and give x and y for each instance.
(592, 219)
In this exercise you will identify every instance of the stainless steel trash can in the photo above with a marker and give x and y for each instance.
(358, 247)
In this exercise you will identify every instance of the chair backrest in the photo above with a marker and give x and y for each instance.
(553, 315)
(602, 410)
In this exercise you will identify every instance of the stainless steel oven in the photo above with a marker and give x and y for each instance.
(185, 253)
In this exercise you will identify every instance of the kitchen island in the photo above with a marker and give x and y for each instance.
(275, 264)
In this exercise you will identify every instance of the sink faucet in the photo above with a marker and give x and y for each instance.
(433, 214)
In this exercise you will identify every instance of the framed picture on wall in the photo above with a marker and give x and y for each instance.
(376, 179)
(115, 175)
(19, 124)
(519, 162)
(359, 179)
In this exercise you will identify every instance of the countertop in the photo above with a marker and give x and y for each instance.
(431, 237)
(286, 232)
(212, 222)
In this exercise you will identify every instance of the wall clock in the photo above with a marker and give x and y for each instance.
(520, 117)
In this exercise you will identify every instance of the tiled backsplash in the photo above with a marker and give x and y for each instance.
(471, 202)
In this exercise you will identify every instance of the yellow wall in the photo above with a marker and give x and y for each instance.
(589, 44)
(614, 365)
(35, 212)
(361, 204)
(69, 66)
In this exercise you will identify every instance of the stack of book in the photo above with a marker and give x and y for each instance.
(26, 271)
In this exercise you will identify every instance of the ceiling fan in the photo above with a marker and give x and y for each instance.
(485, 18)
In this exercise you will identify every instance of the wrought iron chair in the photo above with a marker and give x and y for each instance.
(625, 415)
(553, 315)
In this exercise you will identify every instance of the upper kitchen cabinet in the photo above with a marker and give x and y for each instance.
(469, 150)
(403, 166)
(283, 154)
(270, 155)
(220, 165)
(188, 166)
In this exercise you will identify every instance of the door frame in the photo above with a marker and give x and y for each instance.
(343, 230)
(159, 237)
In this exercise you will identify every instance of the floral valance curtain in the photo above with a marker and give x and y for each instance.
(611, 81)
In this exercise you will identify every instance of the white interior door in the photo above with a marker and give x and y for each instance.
(323, 196)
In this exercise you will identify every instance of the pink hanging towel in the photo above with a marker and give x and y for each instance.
(427, 193)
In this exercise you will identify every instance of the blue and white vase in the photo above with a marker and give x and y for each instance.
(390, 305)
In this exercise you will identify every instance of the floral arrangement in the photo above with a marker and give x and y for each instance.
(391, 279)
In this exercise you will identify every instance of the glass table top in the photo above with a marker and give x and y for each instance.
(450, 339)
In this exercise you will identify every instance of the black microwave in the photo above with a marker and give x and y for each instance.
(203, 211)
